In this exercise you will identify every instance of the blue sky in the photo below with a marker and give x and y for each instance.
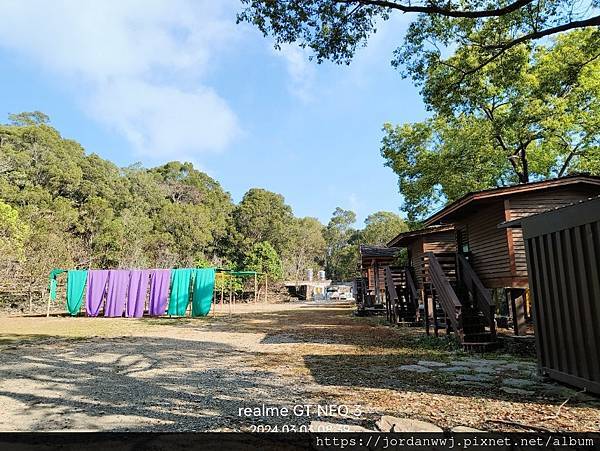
(159, 80)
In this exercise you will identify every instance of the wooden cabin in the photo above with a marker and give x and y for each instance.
(371, 285)
(486, 257)
(498, 255)
(405, 285)
(437, 239)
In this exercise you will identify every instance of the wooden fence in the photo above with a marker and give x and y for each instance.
(563, 259)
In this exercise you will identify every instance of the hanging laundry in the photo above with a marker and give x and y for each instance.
(75, 285)
(204, 285)
(52, 282)
(118, 281)
(180, 291)
(136, 293)
(95, 291)
(159, 291)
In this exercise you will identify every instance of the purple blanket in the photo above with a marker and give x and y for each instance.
(136, 296)
(160, 280)
(96, 286)
(118, 280)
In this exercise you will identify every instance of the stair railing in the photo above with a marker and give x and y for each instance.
(445, 293)
(392, 295)
(411, 288)
(481, 295)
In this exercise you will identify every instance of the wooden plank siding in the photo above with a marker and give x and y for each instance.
(498, 255)
(415, 259)
(523, 205)
(488, 245)
(370, 271)
(440, 242)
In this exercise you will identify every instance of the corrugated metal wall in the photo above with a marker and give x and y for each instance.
(563, 259)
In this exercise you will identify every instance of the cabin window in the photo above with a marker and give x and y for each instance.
(463, 241)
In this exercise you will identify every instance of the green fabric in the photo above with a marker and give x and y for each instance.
(52, 282)
(180, 291)
(75, 285)
(204, 285)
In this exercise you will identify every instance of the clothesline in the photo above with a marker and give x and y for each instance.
(124, 291)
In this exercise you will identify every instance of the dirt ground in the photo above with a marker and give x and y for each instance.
(63, 373)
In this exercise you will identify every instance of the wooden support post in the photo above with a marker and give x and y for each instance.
(213, 301)
(222, 290)
(230, 296)
(517, 304)
(48, 307)
(435, 318)
(376, 282)
(426, 307)
(255, 287)
(266, 288)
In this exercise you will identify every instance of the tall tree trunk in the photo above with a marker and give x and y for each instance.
(525, 165)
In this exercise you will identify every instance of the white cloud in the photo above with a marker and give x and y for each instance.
(136, 66)
(300, 70)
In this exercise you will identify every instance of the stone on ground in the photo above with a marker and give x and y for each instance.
(415, 368)
(482, 362)
(389, 423)
(475, 377)
(456, 369)
(431, 364)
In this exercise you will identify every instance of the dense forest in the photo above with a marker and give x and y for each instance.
(63, 208)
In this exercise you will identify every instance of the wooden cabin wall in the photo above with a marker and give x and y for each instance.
(488, 245)
(440, 242)
(525, 204)
(415, 252)
(370, 271)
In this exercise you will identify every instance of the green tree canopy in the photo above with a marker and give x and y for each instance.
(540, 122)
(306, 248)
(262, 216)
(341, 239)
(381, 227)
(13, 232)
(263, 258)
(335, 29)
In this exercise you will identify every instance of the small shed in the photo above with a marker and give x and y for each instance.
(562, 249)
(439, 239)
(373, 260)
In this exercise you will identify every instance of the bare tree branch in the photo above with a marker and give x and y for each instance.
(591, 22)
(433, 9)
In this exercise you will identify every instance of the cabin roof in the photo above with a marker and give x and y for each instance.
(469, 199)
(404, 237)
(378, 251)
(517, 223)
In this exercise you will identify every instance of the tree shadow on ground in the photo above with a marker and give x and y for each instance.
(152, 383)
(383, 372)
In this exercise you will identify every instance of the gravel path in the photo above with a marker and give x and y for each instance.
(188, 374)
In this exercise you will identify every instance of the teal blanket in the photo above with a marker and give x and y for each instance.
(204, 285)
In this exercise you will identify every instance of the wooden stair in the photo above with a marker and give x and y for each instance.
(460, 302)
(401, 296)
